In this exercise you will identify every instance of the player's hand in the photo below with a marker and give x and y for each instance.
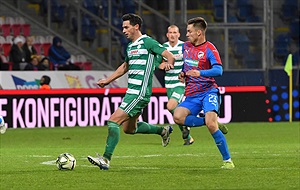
(162, 66)
(193, 73)
(181, 77)
(102, 83)
(168, 66)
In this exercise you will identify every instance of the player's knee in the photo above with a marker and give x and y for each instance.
(178, 119)
(211, 125)
(128, 131)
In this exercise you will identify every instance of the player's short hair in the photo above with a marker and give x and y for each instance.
(198, 22)
(133, 19)
(173, 26)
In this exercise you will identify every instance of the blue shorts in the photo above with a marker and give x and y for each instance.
(209, 101)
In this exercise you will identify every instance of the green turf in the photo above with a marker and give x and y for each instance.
(266, 156)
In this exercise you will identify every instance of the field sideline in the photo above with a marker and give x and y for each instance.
(266, 155)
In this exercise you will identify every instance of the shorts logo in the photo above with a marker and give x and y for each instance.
(123, 105)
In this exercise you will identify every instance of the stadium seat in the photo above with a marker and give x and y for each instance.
(87, 65)
(218, 9)
(294, 29)
(281, 46)
(289, 10)
(7, 65)
(241, 45)
(45, 47)
(128, 6)
(296, 56)
(6, 48)
(24, 27)
(232, 32)
(92, 6)
(57, 10)
(88, 29)
(244, 9)
(5, 29)
(251, 61)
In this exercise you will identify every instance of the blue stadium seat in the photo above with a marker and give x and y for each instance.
(92, 6)
(296, 56)
(281, 46)
(116, 7)
(232, 32)
(128, 6)
(241, 45)
(251, 61)
(294, 29)
(289, 10)
(88, 29)
(57, 10)
(244, 9)
(218, 9)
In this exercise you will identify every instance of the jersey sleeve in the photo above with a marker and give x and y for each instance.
(213, 56)
(153, 46)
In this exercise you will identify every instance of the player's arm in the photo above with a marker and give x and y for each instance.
(169, 64)
(122, 69)
(215, 71)
(216, 66)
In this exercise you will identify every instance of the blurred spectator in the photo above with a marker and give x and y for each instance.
(59, 56)
(29, 49)
(33, 65)
(17, 54)
(45, 83)
(1, 62)
(44, 64)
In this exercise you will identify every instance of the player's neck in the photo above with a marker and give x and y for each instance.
(172, 44)
(137, 36)
(200, 41)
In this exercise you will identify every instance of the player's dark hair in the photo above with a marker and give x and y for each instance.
(133, 19)
(198, 22)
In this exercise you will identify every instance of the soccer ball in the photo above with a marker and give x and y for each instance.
(65, 161)
(1, 121)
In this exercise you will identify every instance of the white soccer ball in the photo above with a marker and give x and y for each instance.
(1, 121)
(66, 161)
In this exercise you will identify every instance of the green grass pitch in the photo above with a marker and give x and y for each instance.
(266, 156)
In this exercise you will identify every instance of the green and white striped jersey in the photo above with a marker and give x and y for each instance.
(140, 57)
(171, 76)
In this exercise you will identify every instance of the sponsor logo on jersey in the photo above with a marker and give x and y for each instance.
(190, 62)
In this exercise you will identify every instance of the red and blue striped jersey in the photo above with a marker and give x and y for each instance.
(201, 57)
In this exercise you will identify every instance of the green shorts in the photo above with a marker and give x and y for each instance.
(133, 105)
(176, 93)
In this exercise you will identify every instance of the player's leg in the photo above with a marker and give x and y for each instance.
(113, 137)
(187, 112)
(131, 126)
(211, 108)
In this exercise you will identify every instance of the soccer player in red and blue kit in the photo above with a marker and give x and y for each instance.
(201, 64)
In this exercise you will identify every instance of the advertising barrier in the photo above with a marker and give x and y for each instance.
(93, 107)
(60, 79)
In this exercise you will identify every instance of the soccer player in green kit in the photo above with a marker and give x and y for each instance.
(175, 88)
(139, 64)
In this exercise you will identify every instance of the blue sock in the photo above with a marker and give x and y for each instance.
(221, 144)
(194, 121)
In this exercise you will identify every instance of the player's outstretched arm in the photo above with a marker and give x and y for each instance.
(122, 69)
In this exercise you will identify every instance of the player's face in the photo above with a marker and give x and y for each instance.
(173, 34)
(128, 29)
(192, 33)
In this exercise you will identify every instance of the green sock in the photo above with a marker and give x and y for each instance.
(146, 128)
(112, 139)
